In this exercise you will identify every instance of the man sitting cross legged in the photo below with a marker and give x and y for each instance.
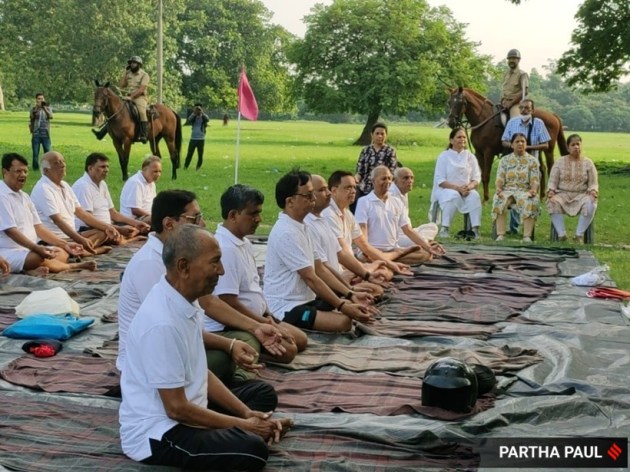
(57, 206)
(231, 360)
(20, 228)
(294, 291)
(380, 218)
(327, 245)
(93, 196)
(174, 411)
(239, 286)
(345, 228)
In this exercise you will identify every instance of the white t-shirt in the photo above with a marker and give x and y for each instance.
(241, 274)
(93, 198)
(326, 244)
(341, 223)
(16, 211)
(383, 220)
(137, 193)
(164, 350)
(289, 249)
(52, 199)
(142, 272)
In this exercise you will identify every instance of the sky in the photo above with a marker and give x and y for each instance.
(540, 29)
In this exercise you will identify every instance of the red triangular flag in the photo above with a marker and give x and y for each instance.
(247, 105)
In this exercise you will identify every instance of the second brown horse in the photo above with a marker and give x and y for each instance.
(482, 116)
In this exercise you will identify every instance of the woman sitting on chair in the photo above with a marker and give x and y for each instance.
(456, 178)
(572, 190)
(518, 179)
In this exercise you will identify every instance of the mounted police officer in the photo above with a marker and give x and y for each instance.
(133, 84)
(515, 84)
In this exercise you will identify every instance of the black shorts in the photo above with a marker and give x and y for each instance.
(303, 316)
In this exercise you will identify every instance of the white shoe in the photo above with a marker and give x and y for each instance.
(444, 233)
(500, 238)
(527, 240)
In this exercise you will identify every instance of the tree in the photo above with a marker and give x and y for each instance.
(373, 57)
(218, 37)
(600, 55)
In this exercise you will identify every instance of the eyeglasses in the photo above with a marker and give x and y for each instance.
(194, 219)
(308, 196)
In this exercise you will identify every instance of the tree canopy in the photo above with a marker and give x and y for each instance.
(373, 57)
(600, 54)
(61, 46)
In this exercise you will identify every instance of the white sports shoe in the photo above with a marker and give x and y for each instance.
(527, 239)
(500, 238)
(444, 233)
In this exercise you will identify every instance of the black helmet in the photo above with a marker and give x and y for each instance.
(514, 53)
(450, 384)
(137, 59)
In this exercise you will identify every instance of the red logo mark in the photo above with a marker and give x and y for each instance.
(614, 452)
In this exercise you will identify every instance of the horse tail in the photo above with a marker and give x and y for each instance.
(562, 142)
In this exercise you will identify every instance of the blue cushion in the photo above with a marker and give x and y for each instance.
(60, 327)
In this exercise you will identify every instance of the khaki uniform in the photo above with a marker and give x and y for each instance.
(133, 81)
(515, 82)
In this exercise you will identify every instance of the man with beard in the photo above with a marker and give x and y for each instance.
(134, 83)
(515, 84)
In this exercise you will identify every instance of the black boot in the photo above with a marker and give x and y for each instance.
(101, 133)
(142, 136)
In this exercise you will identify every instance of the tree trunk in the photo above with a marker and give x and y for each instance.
(1, 99)
(366, 134)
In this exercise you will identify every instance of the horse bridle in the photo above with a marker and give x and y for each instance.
(105, 99)
(458, 121)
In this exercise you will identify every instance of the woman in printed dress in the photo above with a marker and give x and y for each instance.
(518, 179)
(573, 190)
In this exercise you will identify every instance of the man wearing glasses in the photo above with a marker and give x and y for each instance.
(293, 290)
(139, 191)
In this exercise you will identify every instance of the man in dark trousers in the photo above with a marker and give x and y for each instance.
(199, 121)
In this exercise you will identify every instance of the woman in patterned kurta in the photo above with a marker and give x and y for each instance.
(379, 153)
(573, 189)
(517, 186)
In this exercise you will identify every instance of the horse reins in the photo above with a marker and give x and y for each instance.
(466, 124)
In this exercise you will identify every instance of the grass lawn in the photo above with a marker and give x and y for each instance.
(268, 149)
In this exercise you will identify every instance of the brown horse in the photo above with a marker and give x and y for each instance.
(482, 116)
(122, 127)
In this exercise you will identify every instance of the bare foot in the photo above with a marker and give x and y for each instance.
(130, 240)
(102, 250)
(405, 251)
(41, 271)
(89, 265)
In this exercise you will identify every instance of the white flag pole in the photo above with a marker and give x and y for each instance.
(238, 140)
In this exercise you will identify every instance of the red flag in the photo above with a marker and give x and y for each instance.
(247, 105)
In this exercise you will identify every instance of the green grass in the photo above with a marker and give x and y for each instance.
(268, 149)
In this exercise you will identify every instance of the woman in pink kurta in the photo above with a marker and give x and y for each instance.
(573, 189)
